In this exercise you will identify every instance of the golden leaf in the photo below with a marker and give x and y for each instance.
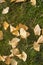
(22, 56)
(14, 42)
(5, 25)
(33, 2)
(36, 46)
(40, 39)
(8, 60)
(37, 30)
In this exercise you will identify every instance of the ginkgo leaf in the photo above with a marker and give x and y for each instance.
(14, 42)
(22, 56)
(5, 10)
(14, 62)
(37, 30)
(33, 2)
(5, 25)
(23, 33)
(36, 46)
(1, 35)
(2, 58)
(40, 39)
(2, 1)
(14, 30)
(15, 51)
(23, 26)
(8, 60)
(16, 33)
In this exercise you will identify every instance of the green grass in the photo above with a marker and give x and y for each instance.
(27, 14)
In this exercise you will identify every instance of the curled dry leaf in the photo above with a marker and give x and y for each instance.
(5, 10)
(2, 1)
(5, 25)
(14, 30)
(40, 39)
(36, 46)
(23, 26)
(23, 33)
(8, 60)
(37, 30)
(14, 42)
(15, 51)
(22, 56)
(33, 2)
(1, 35)
(14, 62)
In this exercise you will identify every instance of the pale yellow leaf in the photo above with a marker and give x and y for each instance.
(5, 25)
(37, 30)
(36, 46)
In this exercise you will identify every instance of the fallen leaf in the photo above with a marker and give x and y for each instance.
(14, 42)
(14, 30)
(36, 46)
(37, 30)
(40, 39)
(5, 10)
(8, 60)
(22, 56)
(5, 25)
(14, 62)
(23, 33)
(2, 58)
(15, 51)
(23, 26)
(33, 2)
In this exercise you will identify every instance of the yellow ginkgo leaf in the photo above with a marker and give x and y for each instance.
(37, 30)
(36, 46)
(14, 30)
(15, 51)
(5, 10)
(40, 39)
(16, 33)
(14, 42)
(22, 56)
(23, 33)
(8, 60)
(14, 62)
(23, 26)
(2, 58)
(33, 2)
(5, 25)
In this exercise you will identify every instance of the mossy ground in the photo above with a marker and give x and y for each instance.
(27, 14)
